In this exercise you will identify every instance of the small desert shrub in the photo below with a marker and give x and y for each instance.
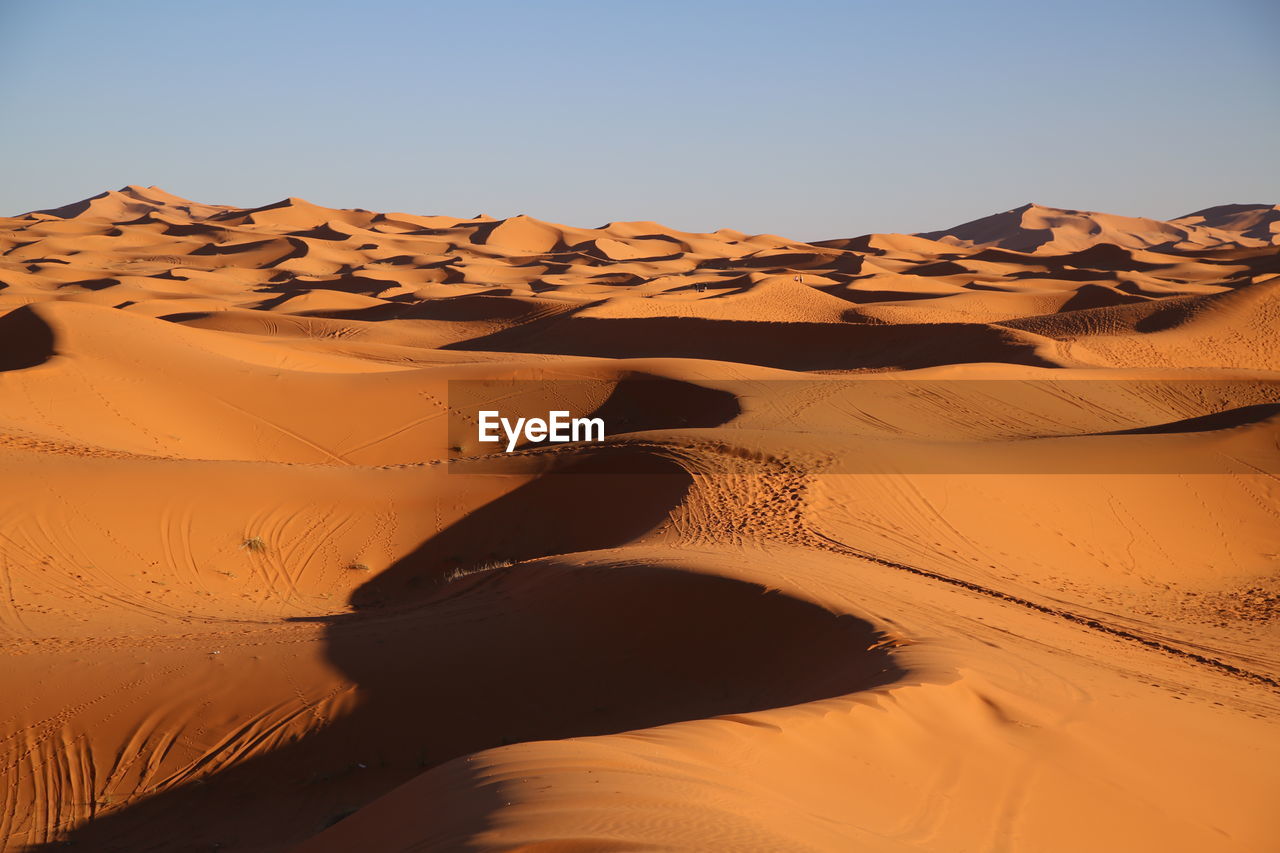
(254, 544)
(359, 567)
(464, 571)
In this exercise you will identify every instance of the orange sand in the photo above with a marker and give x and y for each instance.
(246, 606)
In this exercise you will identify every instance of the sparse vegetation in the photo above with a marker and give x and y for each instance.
(359, 567)
(464, 571)
(255, 544)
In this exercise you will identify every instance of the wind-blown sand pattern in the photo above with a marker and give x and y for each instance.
(247, 603)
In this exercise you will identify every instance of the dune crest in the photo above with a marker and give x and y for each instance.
(1036, 228)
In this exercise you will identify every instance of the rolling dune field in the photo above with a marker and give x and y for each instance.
(958, 541)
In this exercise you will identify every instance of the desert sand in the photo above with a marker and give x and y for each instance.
(254, 597)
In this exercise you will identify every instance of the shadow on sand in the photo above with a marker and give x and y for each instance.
(536, 650)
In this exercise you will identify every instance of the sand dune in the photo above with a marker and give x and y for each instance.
(951, 541)
(1035, 228)
(1256, 221)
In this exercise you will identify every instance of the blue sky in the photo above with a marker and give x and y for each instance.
(810, 119)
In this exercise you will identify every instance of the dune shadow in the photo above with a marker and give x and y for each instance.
(791, 346)
(458, 309)
(94, 284)
(1226, 419)
(585, 506)
(234, 248)
(870, 297)
(1098, 296)
(185, 316)
(938, 268)
(1166, 314)
(451, 656)
(25, 340)
(637, 402)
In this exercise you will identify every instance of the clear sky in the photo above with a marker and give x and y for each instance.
(806, 118)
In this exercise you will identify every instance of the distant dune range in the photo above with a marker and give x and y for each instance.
(247, 604)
